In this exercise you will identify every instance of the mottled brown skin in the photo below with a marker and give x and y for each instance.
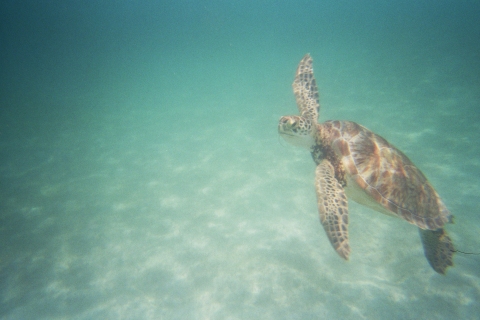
(355, 162)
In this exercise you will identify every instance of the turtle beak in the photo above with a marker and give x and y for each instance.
(285, 124)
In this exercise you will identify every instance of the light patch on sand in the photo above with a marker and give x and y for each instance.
(415, 136)
(207, 305)
(172, 202)
(31, 212)
(219, 213)
(153, 183)
(287, 230)
(120, 206)
(444, 169)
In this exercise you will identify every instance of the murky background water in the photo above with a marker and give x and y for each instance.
(142, 176)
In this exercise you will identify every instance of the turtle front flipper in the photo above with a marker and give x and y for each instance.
(333, 207)
(438, 248)
(305, 89)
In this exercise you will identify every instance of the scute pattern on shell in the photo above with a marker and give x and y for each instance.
(389, 176)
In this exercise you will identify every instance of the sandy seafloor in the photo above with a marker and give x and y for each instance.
(142, 176)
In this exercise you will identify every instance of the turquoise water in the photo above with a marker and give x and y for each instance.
(142, 176)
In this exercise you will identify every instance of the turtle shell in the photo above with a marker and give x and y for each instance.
(386, 175)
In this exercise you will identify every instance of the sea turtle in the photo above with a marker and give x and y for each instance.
(355, 162)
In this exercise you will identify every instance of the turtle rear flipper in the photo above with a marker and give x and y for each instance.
(438, 248)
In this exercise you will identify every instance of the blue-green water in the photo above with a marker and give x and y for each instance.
(142, 176)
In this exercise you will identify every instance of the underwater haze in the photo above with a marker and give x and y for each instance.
(142, 175)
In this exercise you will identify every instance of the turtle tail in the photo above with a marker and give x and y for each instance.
(438, 249)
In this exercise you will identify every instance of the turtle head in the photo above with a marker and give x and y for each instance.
(297, 130)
